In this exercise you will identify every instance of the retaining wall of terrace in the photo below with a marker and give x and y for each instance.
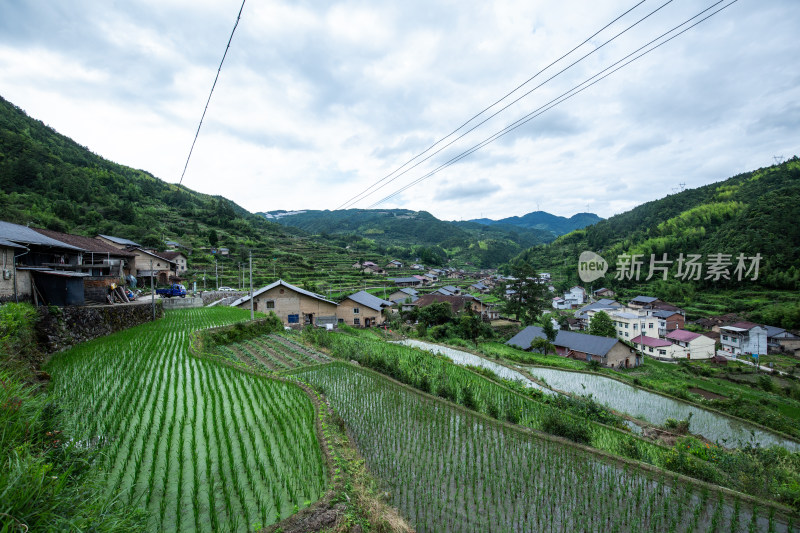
(59, 328)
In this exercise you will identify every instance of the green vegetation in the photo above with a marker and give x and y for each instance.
(501, 399)
(198, 445)
(602, 325)
(744, 214)
(450, 469)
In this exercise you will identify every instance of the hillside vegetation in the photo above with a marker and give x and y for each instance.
(752, 213)
(410, 234)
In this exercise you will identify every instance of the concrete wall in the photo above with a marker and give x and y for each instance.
(62, 327)
(180, 303)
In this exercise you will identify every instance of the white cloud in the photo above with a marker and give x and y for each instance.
(317, 101)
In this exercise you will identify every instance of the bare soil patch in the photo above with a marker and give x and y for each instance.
(708, 395)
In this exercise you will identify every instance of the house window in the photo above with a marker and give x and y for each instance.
(650, 348)
(626, 326)
(341, 321)
(356, 321)
(355, 310)
(270, 304)
(293, 319)
(651, 325)
(662, 352)
(724, 337)
(626, 334)
(634, 327)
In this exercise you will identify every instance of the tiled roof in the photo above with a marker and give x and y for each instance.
(88, 244)
(650, 341)
(288, 286)
(366, 299)
(171, 255)
(644, 299)
(683, 335)
(579, 342)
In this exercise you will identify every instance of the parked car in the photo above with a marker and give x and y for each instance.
(225, 289)
(175, 290)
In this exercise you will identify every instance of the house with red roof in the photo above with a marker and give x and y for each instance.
(692, 345)
(652, 346)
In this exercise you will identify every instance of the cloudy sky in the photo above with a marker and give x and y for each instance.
(317, 101)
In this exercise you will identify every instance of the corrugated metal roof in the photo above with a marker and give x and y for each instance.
(366, 299)
(24, 235)
(644, 299)
(288, 286)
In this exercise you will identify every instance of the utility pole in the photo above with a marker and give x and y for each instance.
(204, 280)
(252, 304)
(216, 272)
(152, 290)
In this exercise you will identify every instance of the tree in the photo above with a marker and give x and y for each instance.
(470, 324)
(549, 330)
(602, 325)
(527, 297)
(435, 314)
(213, 238)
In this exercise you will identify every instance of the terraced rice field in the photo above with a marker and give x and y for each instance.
(273, 353)
(200, 446)
(449, 470)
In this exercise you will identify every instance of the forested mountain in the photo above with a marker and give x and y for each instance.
(49, 180)
(752, 213)
(411, 234)
(545, 221)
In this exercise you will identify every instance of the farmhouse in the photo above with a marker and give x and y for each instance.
(604, 293)
(629, 325)
(118, 242)
(641, 301)
(293, 305)
(362, 310)
(690, 345)
(668, 321)
(181, 264)
(394, 263)
(402, 294)
(744, 338)
(406, 282)
(607, 351)
(147, 264)
(653, 346)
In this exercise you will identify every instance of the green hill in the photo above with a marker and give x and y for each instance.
(545, 221)
(49, 180)
(416, 234)
(752, 213)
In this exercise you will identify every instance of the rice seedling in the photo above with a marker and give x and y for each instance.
(200, 446)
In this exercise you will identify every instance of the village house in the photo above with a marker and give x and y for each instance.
(480, 287)
(147, 264)
(690, 345)
(668, 321)
(293, 305)
(608, 352)
(105, 266)
(631, 324)
(653, 346)
(36, 268)
(603, 293)
(744, 338)
(362, 310)
(374, 270)
(778, 338)
(406, 282)
(574, 297)
(402, 294)
(457, 303)
(641, 301)
(394, 263)
(584, 315)
(118, 242)
(180, 260)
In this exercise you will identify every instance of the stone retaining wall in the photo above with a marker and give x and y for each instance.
(60, 328)
(182, 303)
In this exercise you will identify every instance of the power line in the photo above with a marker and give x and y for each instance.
(239, 16)
(356, 197)
(566, 95)
(484, 121)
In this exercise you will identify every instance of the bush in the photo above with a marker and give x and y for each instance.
(567, 427)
